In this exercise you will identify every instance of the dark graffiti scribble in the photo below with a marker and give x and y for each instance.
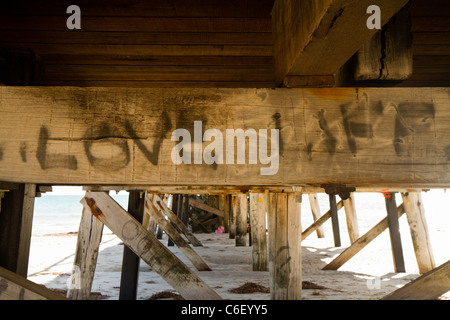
(49, 161)
(411, 118)
(23, 151)
(330, 140)
(277, 118)
(153, 155)
(104, 135)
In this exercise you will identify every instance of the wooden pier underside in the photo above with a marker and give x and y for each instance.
(236, 98)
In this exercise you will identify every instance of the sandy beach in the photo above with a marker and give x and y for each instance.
(368, 275)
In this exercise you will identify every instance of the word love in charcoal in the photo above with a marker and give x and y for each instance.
(214, 152)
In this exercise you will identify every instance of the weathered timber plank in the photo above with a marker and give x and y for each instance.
(415, 213)
(154, 8)
(162, 206)
(394, 233)
(319, 222)
(315, 210)
(258, 209)
(389, 54)
(364, 137)
(15, 287)
(241, 220)
(361, 242)
(149, 249)
(351, 218)
(285, 260)
(182, 244)
(15, 228)
(140, 24)
(85, 260)
(317, 38)
(205, 207)
(429, 286)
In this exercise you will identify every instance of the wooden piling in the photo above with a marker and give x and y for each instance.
(232, 233)
(241, 220)
(352, 221)
(394, 232)
(130, 260)
(335, 220)
(15, 228)
(285, 246)
(315, 210)
(415, 213)
(258, 209)
(86, 253)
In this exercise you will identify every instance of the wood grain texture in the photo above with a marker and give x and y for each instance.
(258, 209)
(361, 242)
(363, 137)
(86, 253)
(415, 213)
(147, 247)
(317, 38)
(429, 286)
(15, 287)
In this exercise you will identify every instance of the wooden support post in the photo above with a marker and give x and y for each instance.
(149, 249)
(221, 199)
(241, 220)
(130, 261)
(175, 221)
(258, 209)
(429, 286)
(285, 263)
(352, 221)
(335, 220)
(315, 209)
(226, 213)
(415, 213)
(233, 210)
(176, 208)
(15, 228)
(86, 253)
(172, 233)
(15, 287)
(313, 227)
(360, 243)
(184, 201)
(394, 232)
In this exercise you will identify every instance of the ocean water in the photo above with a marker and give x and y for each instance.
(62, 213)
(57, 212)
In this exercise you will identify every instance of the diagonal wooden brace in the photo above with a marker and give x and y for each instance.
(156, 213)
(148, 248)
(363, 241)
(162, 206)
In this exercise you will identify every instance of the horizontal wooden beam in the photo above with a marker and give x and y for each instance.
(358, 137)
(317, 38)
(205, 207)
